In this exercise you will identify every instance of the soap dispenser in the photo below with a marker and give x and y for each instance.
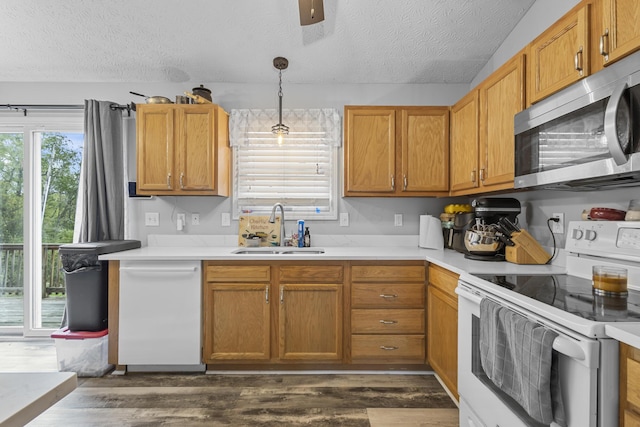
(307, 238)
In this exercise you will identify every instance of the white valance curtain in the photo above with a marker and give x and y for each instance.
(318, 126)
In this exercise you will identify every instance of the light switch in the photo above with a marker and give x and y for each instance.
(397, 220)
(344, 219)
(225, 219)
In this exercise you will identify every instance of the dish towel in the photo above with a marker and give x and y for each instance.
(517, 356)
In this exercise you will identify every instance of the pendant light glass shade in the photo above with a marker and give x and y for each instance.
(280, 128)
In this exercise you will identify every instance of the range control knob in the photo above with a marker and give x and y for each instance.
(577, 234)
(590, 235)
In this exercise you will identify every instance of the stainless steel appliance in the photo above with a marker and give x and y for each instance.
(584, 137)
(587, 359)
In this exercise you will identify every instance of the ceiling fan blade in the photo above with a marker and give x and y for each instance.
(311, 11)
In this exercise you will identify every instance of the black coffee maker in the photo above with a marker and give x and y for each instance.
(487, 211)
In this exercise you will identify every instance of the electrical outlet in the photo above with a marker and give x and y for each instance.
(195, 219)
(344, 219)
(557, 227)
(152, 219)
(225, 219)
(397, 220)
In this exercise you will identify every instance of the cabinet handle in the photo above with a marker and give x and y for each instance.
(405, 182)
(473, 176)
(388, 322)
(393, 182)
(266, 294)
(577, 59)
(387, 347)
(281, 294)
(604, 50)
(169, 180)
(389, 296)
(182, 180)
(482, 174)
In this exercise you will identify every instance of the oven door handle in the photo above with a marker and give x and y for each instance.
(561, 344)
(568, 348)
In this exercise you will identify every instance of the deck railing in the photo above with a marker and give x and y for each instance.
(12, 270)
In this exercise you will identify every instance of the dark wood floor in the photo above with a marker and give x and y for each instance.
(143, 399)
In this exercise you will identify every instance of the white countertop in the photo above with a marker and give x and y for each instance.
(341, 248)
(24, 396)
(628, 333)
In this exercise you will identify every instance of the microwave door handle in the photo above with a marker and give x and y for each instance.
(611, 126)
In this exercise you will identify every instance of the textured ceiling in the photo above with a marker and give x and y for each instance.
(235, 41)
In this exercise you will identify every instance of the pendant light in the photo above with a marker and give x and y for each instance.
(280, 129)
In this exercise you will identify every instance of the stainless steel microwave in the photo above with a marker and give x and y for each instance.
(584, 137)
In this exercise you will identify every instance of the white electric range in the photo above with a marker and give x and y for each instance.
(587, 358)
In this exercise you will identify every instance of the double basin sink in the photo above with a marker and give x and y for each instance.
(278, 250)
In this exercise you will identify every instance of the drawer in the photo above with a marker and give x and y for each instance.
(388, 273)
(385, 321)
(388, 347)
(238, 273)
(312, 273)
(383, 295)
(444, 280)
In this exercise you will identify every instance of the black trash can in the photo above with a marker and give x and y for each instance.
(86, 281)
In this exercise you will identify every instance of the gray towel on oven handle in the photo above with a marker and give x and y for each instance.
(517, 356)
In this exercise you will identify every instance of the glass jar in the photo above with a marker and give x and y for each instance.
(609, 281)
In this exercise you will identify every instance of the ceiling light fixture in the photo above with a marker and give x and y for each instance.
(280, 129)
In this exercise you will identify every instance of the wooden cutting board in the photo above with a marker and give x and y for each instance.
(259, 225)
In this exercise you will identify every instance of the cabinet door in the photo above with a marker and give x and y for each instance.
(442, 337)
(464, 144)
(501, 97)
(310, 322)
(560, 55)
(370, 140)
(155, 148)
(236, 321)
(197, 153)
(621, 30)
(425, 149)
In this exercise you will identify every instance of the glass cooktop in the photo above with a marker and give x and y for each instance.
(573, 295)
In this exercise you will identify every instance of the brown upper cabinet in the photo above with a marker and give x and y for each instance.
(464, 144)
(182, 149)
(396, 151)
(620, 33)
(560, 55)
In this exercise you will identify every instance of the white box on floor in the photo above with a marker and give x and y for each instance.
(85, 353)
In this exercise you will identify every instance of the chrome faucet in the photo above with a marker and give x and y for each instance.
(272, 219)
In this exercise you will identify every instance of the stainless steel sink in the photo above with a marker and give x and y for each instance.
(278, 250)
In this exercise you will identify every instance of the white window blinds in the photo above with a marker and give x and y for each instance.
(301, 173)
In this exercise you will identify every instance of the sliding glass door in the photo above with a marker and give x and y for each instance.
(38, 189)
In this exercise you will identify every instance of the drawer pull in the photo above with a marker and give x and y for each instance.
(388, 296)
(388, 348)
(388, 322)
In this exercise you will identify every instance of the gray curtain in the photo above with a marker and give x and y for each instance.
(102, 175)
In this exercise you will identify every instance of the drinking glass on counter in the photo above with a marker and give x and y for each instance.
(610, 281)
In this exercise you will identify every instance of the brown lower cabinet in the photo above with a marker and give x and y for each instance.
(629, 386)
(388, 312)
(442, 329)
(273, 312)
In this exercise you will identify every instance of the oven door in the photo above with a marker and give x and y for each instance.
(482, 401)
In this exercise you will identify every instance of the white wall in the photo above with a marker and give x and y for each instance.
(367, 215)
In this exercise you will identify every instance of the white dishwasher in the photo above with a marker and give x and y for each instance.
(159, 319)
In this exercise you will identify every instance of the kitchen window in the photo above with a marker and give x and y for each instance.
(301, 172)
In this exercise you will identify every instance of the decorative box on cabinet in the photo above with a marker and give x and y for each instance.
(388, 313)
(396, 151)
(182, 149)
